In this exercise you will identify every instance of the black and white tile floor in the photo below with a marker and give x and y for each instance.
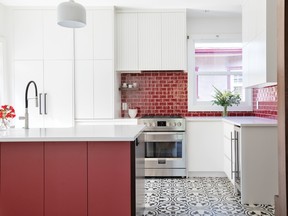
(198, 196)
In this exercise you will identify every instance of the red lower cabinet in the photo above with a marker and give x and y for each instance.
(65, 179)
(22, 179)
(109, 180)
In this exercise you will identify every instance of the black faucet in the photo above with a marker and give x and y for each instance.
(26, 118)
(26, 94)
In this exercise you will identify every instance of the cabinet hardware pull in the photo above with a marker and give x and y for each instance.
(231, 139)
(45, 103)
(40, 102)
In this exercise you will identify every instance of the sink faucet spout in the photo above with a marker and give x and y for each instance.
(26, 118)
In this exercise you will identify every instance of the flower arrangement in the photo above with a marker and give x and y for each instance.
(225, 99)
(7, 112)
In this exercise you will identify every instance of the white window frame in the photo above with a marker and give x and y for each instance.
(193, 104)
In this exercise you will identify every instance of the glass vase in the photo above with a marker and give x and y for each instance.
(4, 124)
(225, 112)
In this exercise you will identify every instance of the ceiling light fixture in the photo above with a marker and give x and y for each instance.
(71, 15)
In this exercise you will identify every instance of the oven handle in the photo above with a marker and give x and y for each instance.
(164, 136)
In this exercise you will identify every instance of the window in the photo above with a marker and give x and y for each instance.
(215, 63)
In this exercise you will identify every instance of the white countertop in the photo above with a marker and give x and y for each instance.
(240, 121)
(250, 121)
(77, 133)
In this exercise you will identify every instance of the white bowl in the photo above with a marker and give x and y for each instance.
(132, 113)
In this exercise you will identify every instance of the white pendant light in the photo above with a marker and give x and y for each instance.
(71, 15)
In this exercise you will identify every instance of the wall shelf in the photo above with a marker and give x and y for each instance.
(129, 89)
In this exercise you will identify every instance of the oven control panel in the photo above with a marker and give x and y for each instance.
(177, 124)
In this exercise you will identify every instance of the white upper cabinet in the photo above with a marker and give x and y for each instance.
(94, 68)
(259, 35)
(96, 39)
(84, 93)
(43, 53)
(103, 89)
(174, 41)
(84, 39)
(157, 41)
(103, 34)
(127, 41)
(150, 37)
(58, 41)
(28, 34)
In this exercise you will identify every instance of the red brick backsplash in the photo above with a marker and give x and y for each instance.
(267, 102)
(162, 93)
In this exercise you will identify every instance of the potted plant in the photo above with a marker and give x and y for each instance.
(225, 99)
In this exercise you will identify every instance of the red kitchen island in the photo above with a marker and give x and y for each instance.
(81, 171)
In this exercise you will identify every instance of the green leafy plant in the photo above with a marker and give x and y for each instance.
(225, 99)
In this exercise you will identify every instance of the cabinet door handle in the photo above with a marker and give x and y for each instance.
(40, 102)
(231, 140)
(236, 145)
(45, 103)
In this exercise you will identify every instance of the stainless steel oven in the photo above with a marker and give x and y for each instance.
(165, 149)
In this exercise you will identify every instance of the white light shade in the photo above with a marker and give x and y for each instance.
(71, 15)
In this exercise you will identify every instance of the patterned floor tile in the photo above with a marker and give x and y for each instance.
(198, 196)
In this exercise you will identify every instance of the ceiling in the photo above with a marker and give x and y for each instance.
(231, 6)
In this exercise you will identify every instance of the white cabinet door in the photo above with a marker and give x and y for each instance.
(59, 88)
(103, 34)
(259, 28)
(205, 153)
(26, 71)
(58, 41)
(229, 152)
(174, 41)
(84, 85)
(227, 169)
(127, 41)
(84, 39)
(149, 35)
(28, 34)
(103, 89)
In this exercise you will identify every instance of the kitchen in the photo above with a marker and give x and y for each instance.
(80, 66)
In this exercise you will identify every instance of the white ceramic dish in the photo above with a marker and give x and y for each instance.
(132, 113)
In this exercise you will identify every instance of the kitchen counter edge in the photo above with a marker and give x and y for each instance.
(239, 121)
(74, 134)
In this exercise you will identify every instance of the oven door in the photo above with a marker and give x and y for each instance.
(164, 150)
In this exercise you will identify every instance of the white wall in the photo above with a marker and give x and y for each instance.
(214, 25)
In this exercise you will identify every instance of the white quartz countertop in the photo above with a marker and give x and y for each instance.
(77, 133)
(240, 121)
(250, 121)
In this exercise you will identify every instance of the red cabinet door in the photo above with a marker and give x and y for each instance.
(109, 179)
(22, 179)
(66, 179)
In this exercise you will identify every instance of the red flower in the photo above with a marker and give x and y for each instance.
(7, 111)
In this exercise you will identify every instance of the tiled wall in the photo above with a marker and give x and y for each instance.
(162, 93)
(267, 102)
